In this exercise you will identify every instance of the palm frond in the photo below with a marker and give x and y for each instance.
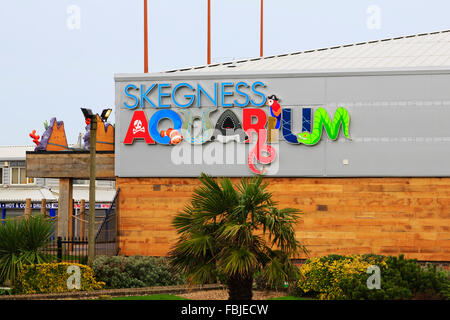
(235, 261)
(183, 221)
(235, 234)
(279, 269)
(198, 245)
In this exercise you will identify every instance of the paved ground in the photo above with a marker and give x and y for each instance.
(222, 294)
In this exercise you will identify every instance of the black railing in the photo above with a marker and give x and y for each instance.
(75, 249)
(106, 240)
(68, 250)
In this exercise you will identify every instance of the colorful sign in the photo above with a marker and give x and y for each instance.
(161, 98)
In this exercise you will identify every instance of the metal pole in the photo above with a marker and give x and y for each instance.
(209, 33)
(59, 249)
(93, 147)
(261, 36)
(82, 217)
(145, 38)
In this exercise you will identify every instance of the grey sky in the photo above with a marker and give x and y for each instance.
(51, 67)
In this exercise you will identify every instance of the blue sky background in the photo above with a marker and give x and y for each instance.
(49, 70)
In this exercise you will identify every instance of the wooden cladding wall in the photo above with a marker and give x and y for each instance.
(341, 215)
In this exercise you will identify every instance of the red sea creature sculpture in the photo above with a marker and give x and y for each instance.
(35, 137)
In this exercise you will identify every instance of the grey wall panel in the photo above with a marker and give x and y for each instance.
(401, 158)
(399, 127)
(377, 88)
(440, 87)
(398, 120)
(303, 162)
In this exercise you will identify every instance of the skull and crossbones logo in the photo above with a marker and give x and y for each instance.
(138, 127)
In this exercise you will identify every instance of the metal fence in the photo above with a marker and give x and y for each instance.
(75, 249)
(68, 250)
(106, 240)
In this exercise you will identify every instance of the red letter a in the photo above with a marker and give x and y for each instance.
(138, 129)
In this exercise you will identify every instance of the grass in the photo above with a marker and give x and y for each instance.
(151, 297)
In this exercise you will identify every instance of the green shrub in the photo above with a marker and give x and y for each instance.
(134, 272)
(52, 278)
(260, 283)
(330, 277)
(446, 292)
(345, 277)
(4, 292)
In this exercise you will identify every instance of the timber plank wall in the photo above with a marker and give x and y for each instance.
(385, 216)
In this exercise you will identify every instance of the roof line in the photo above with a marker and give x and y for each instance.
(162, 76)
(306, 51)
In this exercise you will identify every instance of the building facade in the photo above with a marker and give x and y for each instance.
(357, 137)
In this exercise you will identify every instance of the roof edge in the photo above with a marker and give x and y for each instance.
(306, 51)
(121, 77)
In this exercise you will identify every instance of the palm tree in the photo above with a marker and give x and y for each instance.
(21, 243)
(235, 232)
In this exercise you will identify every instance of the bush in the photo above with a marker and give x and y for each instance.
(260, 283)
(446, 292)
(330, 277)
(4, 292)
(290, 286)
(52, 278)
(135, 272)
(345, 277)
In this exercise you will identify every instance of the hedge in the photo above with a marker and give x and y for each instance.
(135, 271)
(52, 278)
(337, 277)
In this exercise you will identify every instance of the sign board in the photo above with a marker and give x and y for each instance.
(283, 125)
(21, 205)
